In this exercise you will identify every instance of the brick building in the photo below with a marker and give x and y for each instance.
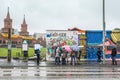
(16, 39)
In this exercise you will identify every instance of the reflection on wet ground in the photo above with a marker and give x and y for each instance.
(60, 73)
(20, 70)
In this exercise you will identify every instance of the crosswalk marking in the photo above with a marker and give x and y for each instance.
(60, 73)
(57, 71)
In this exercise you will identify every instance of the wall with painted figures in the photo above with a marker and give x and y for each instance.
(59, 38)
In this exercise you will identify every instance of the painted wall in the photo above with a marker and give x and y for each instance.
(59, 38)
(94, 37)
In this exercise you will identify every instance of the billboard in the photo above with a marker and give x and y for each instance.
(59, 38)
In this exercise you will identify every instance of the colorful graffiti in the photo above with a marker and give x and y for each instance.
(59, 38)
(89, 39)
(115, 35)
(94, 38)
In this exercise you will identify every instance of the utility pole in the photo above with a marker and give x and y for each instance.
(104, 32)
(9, 45)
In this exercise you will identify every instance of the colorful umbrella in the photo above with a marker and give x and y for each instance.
(67, 48)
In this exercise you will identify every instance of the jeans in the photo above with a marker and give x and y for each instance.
(63, 61)
(57, 60)
(73, 58)
(114, 60)
(38, 58)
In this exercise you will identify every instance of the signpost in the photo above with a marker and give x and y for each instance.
(25, 48)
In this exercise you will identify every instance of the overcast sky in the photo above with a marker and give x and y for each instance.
(42, 15)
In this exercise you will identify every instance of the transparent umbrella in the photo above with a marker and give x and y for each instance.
(75, 48)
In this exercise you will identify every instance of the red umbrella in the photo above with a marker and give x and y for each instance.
(108, 43)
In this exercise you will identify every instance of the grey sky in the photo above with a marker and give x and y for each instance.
(42, 15)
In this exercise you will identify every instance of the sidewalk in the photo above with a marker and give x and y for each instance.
(32, 63)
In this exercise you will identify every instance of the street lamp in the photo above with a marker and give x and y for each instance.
(104, 32)
(9, 45)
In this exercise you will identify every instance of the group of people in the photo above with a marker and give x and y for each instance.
(113, 55)
(62, 56)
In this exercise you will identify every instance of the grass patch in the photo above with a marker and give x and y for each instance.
(3, 52)
(43, 53)
(17, 52)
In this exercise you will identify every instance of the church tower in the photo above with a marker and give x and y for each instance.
(7, 23)
(24, 31)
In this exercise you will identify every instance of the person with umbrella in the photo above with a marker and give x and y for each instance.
(37, 48)
(68, 51)
(75, 49)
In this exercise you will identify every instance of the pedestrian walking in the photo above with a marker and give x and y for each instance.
(113, 56)
(37, 51)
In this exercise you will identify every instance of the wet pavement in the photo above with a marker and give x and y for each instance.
(33, 63)
(22, 70)
(60, 73)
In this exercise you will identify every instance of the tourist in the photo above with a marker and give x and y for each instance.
(73, 57)
(67, 56)
(57, 56)
(63, 55)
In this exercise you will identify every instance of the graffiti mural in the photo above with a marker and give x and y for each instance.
(56, 38)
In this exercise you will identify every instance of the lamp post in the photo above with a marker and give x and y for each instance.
(104, 32)
(9, 45)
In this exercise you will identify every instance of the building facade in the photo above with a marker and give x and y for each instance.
(24, 31)
(15, 38)
(41, 37)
